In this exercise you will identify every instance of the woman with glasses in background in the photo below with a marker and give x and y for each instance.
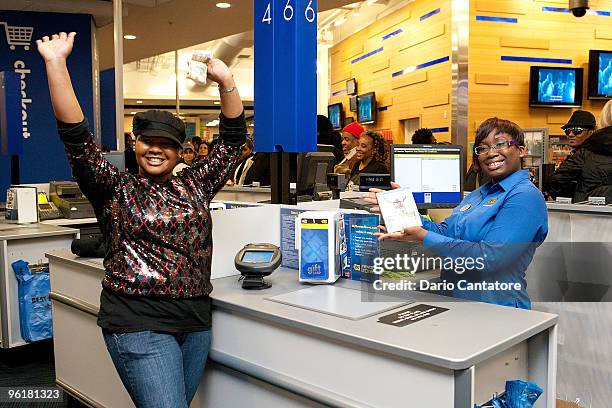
(587, 172)
(494, 232)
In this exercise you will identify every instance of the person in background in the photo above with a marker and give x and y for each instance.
(259, 171)
(131, 165)
(423, 136)
(350, 140)
(187, 155)
(327, 136)
(203, 150)
(155, 309)
(372, 154)
(499, 226)
(197, 141)
(246, 161)
(587, 172)
(579, 127)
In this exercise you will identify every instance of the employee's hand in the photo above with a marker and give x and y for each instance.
(370, 197)
(219, 72)
(407, 234)
(59, 46)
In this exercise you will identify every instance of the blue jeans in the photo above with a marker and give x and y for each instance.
(161, 370)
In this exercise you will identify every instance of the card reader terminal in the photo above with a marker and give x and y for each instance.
(254, 261)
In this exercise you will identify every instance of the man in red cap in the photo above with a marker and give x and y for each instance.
(350, 140)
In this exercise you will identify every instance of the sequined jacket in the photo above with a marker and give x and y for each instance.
(157, 235)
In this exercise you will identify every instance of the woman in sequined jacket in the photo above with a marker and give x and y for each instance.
(155, 310)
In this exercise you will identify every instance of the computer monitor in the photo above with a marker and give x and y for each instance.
(314, 167)
(434, 173)
(116, 158)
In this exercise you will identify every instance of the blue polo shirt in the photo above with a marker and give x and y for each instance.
(499, 226)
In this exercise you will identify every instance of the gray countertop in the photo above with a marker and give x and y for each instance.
(580, 208)
(466, 334)
(10, 231)
(246, 189)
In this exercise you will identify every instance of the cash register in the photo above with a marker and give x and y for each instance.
(67, 196)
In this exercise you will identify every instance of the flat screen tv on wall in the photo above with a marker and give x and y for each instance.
(600, 74)
(366, 108)
(555, 87)
(335, 113)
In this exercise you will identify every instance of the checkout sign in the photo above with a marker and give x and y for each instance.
(285, 75)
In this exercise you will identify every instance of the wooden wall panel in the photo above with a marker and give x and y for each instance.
(403, 95)
(501, 88)
(502, 6)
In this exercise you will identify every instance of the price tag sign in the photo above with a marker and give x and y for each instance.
(285, 100)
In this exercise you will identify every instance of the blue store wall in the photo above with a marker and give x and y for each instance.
(44, 158)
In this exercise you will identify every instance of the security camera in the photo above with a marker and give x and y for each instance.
(578, 7)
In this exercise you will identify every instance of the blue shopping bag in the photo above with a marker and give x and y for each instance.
(35, 319)
(518, 394)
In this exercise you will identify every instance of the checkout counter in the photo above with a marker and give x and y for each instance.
(268, 352)
(28, 242)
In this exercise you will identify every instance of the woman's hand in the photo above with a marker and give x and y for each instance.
(407, 234)
(370, 197)
(219, 72)
(58, 47)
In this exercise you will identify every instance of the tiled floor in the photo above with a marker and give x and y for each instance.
(31, 366)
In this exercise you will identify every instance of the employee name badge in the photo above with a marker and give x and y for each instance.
(314, 249)
(490, 202)
(427, 198)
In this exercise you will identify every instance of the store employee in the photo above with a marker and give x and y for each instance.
(499, 226)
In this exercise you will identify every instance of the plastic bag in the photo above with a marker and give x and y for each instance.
(519, 394)
(35, 319)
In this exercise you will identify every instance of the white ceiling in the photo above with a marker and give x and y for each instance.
(160, 25)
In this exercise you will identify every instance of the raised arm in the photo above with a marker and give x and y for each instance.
(55, 51)
(215, 169)
(95, 175)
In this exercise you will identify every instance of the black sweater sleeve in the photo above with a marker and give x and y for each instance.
(563, 181)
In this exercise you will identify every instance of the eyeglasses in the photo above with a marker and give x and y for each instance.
(574, 130)
(497, 146)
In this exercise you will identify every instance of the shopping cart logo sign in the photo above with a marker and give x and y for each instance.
(18, 36)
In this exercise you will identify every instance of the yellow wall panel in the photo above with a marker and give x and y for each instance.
(426, 35)
(502, 6)
(568, 37)
(557, 119)
(522, 42)
(379, 66)
(429, 39)
(386, 100)
(409, 79)
(436, 101)
(603, 33)
(492, 79)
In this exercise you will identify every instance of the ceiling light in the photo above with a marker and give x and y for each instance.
(370, 2)
(133, 113)
(341, 20)
(217, 103)
(129, 37)
(138, 101)
(223, 5)
(356, 13)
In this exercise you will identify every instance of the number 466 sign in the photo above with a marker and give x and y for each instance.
(285, 97)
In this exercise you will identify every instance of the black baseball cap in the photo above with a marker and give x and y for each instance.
(581, 119)
(157, 123)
